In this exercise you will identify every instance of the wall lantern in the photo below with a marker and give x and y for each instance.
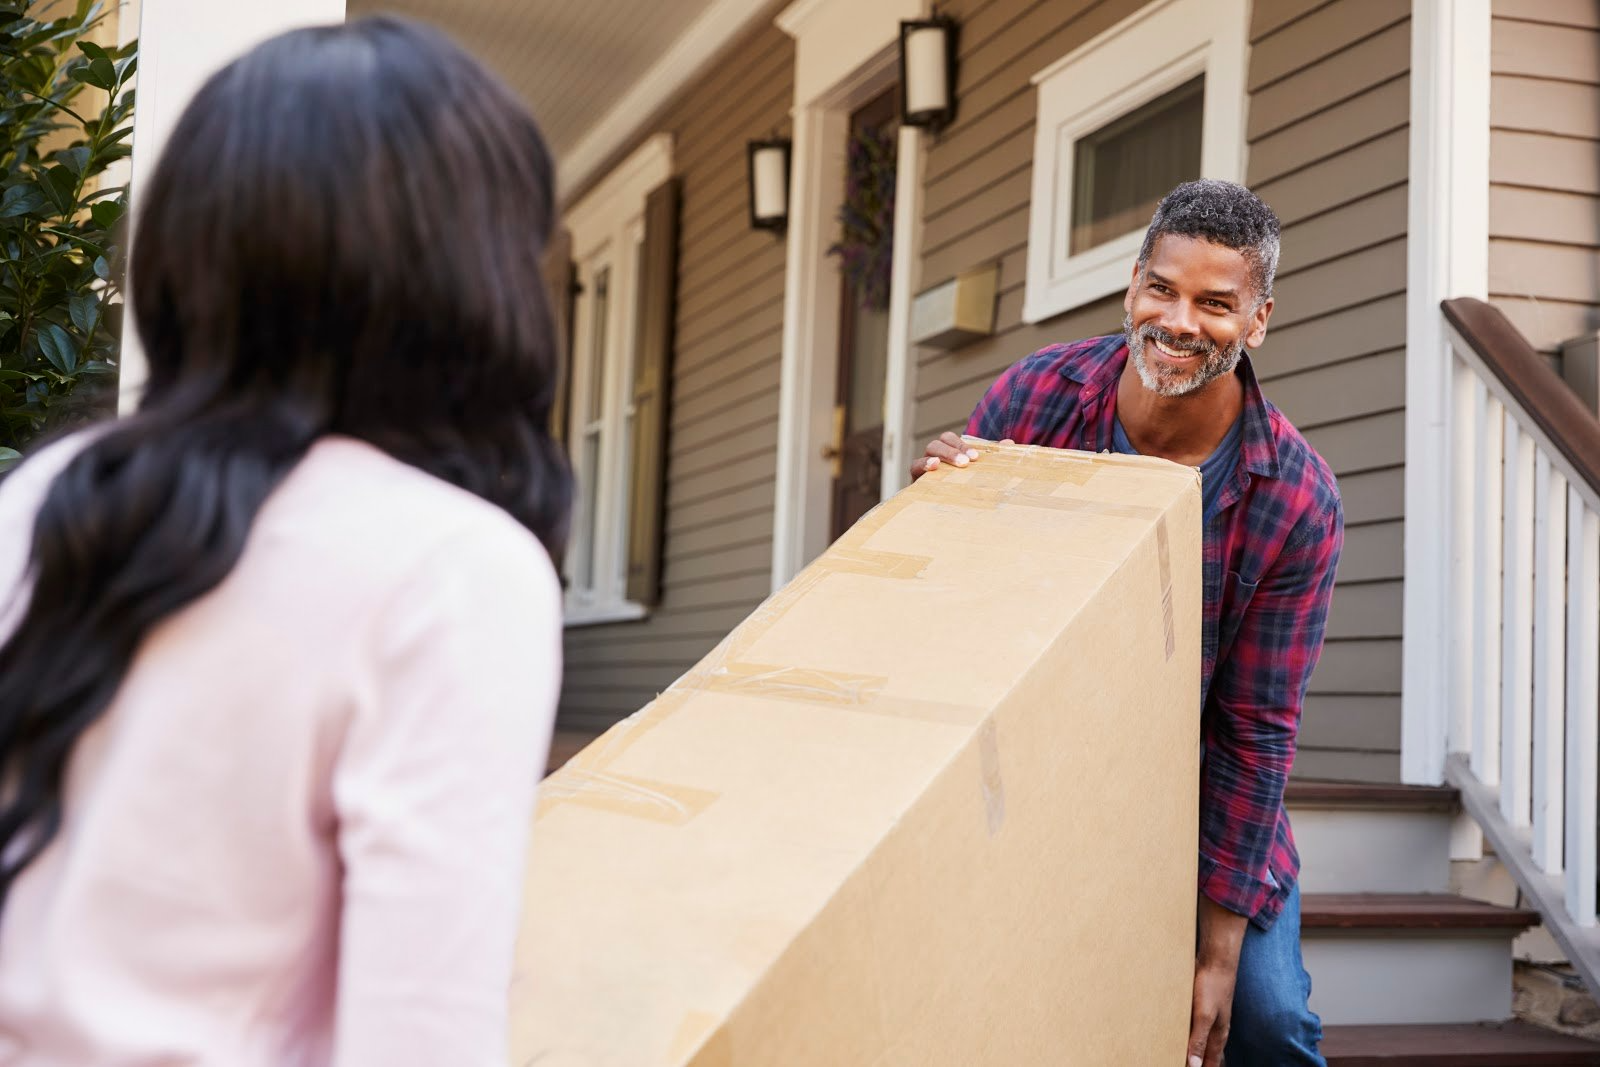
(928, 72)
(769, 184)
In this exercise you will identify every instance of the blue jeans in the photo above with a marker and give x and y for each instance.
(1273, 1024)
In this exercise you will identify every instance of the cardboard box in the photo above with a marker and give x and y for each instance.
(935, 802)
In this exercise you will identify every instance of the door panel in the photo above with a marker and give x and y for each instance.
(857, 448)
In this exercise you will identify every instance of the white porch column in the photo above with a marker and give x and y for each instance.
(181, 44)
(845, 51)
(1447, 256)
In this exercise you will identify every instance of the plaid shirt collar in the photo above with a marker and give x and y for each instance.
(1097, 367)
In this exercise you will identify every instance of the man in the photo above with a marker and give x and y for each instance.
(1177, 384)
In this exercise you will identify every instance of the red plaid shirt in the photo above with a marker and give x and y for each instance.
(1269, 559)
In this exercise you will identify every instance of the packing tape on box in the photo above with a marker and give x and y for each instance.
(625, 794)
(1164, 557)
(994, 787)
(997, 482)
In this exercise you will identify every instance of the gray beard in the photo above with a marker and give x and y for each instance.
(1214, 363)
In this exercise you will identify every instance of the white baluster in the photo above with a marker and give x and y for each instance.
(1516, 646)
(1464, 493)
(1549, 663)
(1486, 589)
(1583, 705)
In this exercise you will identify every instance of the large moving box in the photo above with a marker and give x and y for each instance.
(935, 802)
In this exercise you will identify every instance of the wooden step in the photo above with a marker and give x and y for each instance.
(565, 744)
(1324, 795)
(1409, 911)
(1511, 1044)
(1382, 959)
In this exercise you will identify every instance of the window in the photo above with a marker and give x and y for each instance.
(1123, 169)
(608, 238)
(1154, 101)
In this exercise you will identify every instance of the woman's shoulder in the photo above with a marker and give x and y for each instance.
(384, 517)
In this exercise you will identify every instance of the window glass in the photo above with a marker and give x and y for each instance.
(1123, 169)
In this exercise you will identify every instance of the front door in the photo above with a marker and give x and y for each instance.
(865, 252)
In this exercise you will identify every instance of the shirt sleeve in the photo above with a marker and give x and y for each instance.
(1254, 713)
(991, 419)
(434, 792)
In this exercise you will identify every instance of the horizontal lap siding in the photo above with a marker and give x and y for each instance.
(722, 443)
(1328, 138)
(1544, 168)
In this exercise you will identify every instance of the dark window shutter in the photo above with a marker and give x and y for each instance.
(652, 371)
(561, 279)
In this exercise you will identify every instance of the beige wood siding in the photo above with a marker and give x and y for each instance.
(1544, 167)
(722, 441)
(1328, 137)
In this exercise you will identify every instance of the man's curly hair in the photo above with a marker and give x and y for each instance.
(1225, 214)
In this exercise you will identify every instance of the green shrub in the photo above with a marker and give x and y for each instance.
(66, 114)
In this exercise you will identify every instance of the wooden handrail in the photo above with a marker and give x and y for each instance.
(1553, 407)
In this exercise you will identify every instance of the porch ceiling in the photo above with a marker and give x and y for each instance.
(571, 60)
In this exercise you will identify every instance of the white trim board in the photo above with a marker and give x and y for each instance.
(594, 218)
(181, 44)
(905, 277)
(717, 27)
(845, 53)
(1447, 256)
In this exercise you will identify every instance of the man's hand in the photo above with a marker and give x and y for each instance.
(1209, 1014)
(1216, 967)
(949, 448)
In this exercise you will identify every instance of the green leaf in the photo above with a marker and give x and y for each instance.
(92, 50)
(84, 310)
(62, 185)
(98, 73)
(107, 213)
(75, 159)
(59, 348)
(9, 457)
(102, 269)
(22, 200)
(80, 242)
(105, 72)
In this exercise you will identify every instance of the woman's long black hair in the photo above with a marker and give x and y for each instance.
(343, 236)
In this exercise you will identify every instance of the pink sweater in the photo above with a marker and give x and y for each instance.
(297, 835)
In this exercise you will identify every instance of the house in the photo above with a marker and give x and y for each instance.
(1415, 154)
(734, 402)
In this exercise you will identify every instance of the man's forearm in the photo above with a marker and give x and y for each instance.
(1221, 935)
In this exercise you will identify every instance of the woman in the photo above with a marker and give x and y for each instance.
(281, 650)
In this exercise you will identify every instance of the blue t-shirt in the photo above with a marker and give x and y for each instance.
(1213, 472)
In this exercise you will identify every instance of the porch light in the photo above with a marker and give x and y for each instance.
(928, 72)
(769, 184)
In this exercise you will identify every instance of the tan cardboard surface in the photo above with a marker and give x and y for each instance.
(933, 803)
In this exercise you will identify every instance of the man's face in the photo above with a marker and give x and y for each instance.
(1190, 313)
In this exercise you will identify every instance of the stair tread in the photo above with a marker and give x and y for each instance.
(1421, 911)
(1462, 1045)
(1314, 793)
(565, 744)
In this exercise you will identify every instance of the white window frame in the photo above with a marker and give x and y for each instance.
(1152, 52)
(607, 228)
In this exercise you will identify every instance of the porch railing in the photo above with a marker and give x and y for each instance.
(1524, 735)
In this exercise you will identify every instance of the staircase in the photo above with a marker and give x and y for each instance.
(1402, 971)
